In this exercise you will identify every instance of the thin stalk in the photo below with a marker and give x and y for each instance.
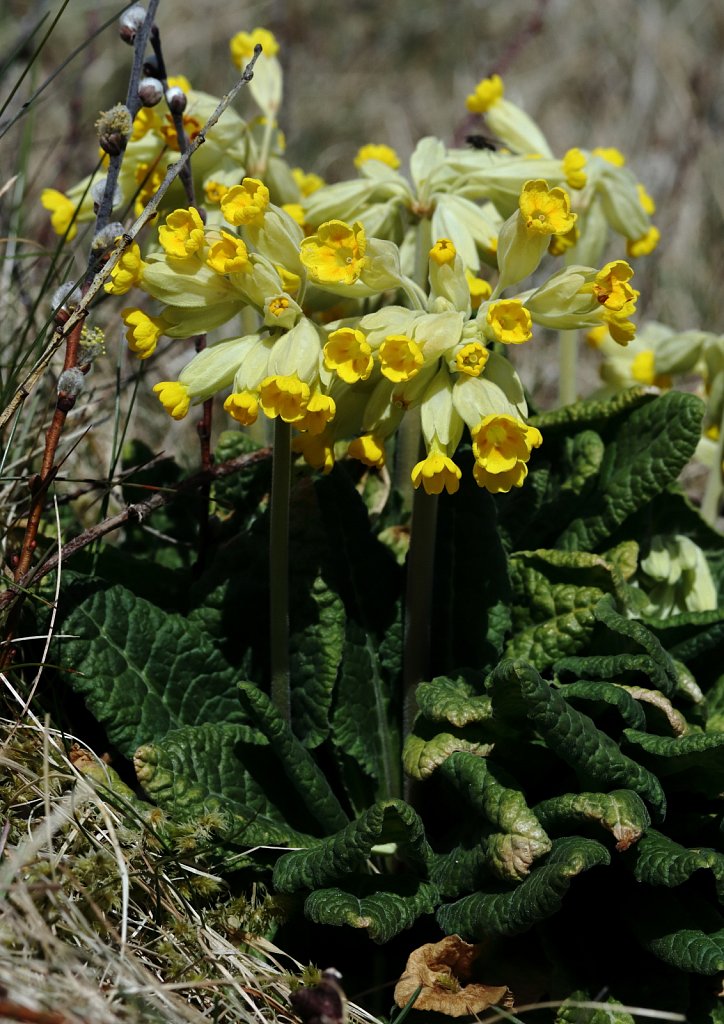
(567, 367)
(715, 481)
(279, 568)
(418, 601)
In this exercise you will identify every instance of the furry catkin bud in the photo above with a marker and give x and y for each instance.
(97, 191)
(106, 237)
(130, 22)
(114, 126)
(70, 382)
(176, 99)
(151, 67)
(150, 91)
(66, 296)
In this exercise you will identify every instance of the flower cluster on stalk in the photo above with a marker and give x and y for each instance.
(390, 292)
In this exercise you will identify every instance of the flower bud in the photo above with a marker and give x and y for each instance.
(130, 22)
(106, 237)
(66, 296)
(150, 91)
(70, 382)
(114, 127)
(97, 192)
(176, 99)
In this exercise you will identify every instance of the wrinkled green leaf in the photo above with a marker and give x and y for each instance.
(383, 906)
(695, 760)
(389, 821)
(195, 770)
(687, 934)
(573, 736)
(301, 771)
(140, 670)
(363, 724)
(533, 900)
(517, 838)
(455, 700)
(315, 653)
(421, 756)
(658, 860)
(649, 450)
(588, 691)
(622, 812)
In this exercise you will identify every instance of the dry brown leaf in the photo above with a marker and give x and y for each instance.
(442, 968)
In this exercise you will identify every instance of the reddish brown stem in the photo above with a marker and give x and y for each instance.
(40, 484)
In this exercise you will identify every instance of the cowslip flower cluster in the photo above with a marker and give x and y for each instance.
(365, 300)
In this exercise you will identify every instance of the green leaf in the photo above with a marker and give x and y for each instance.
(687, 934)
(535, 899)
(459, 870)
(315, 653)
(588, 690)
(555, 594)
(455, 700)
(383, 906)
(347, 852)
(421, 756)
(246, 488)
(573, 736)
(694, 761)
(363, 725)
(658, 860)
(621, 812)
(140, 670)
(518, 838)
(196, 770)
(648, 451)
(297, 764)
(569, 1013)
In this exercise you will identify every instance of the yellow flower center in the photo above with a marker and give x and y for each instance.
(510, 322)
(336, 254)
(545, 211)
(471, 359)
(400, 358)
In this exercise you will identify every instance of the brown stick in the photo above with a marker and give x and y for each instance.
(133, 513)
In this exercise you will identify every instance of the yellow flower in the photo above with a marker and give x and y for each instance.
(214, 191)
(295, 211)
(149, 178)
(319, 412)
(500, 482)
(127, 273)
(487, 92)
(336, 254)
(246, 203)
(243, 407)
(62, 211)
(368, 449)
(510, 322)
(242, 45)
(284, 396)
(306, 182)
(500, 441)
(174, 397)
(611, 155)
(647, 203)
(229, 255)
(373, 151)
(573, 163)
(611, 286)
(621, 329)
(644, 245)
(317, 451)
(183, 233)
(145, 121)
(348, 354)
(442, 252)
(400, 358)
(562, 243)
(545, 211)
(167, 130)
(181, 82)
(143, 331)
(479, 289)
(471, 359)
(436, 472)
(290, 280)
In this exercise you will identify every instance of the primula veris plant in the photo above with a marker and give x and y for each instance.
(527, 754)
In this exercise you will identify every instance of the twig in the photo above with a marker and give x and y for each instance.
(137, 513)
(149, 211)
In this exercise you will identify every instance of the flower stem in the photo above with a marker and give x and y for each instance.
(567, 366)
(418, 601)
(715, 481)
(279, 568)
